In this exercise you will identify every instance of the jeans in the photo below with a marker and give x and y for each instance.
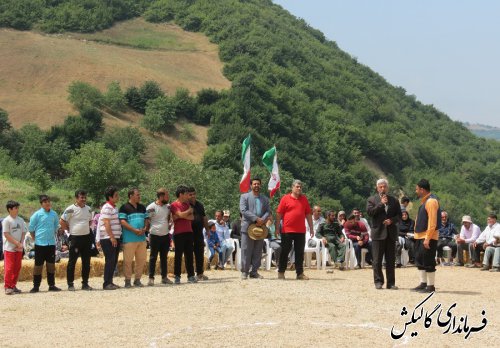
(110, 259)
(183, 246)
(227, 248)
(159, 244)
(79, 246)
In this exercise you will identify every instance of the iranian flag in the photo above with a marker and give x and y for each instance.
(270, 160)
(245, 158)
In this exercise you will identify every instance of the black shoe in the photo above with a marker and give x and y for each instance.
(34, 290)
(54, 288)
(399, 265)
(87, 287)
(256, 276)
(427, 289)
(378, 286)
(392, 287)
(71, 288)
(420, 287)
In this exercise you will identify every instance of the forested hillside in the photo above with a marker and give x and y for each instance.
(330, 117)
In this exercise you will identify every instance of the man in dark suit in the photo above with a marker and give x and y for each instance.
(385, 212)
(254, 209)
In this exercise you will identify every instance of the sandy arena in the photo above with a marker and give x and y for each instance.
(329, 310)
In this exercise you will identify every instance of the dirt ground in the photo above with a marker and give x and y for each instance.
(329, 310)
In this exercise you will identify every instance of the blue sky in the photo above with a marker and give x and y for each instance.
(446, 52)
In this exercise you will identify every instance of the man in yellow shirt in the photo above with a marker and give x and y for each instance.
(426, 236)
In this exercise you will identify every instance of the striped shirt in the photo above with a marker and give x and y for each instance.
(109, 211)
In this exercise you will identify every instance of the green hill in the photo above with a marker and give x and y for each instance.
(334, 121)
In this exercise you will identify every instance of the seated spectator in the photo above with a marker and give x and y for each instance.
(62, 249)
(330, 232)
(213, 241)
(274, 241)
(224, 235)
(468, 235)
(359, 217)
(447, 234)
(356, 231)
(405, 240)
(487, 240)
(341, 217)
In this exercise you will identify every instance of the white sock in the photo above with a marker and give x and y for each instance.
(431, 277)
(423, 277)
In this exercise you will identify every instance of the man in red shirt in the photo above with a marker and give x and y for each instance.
(182, 214)
(356, 231)
(291, 214)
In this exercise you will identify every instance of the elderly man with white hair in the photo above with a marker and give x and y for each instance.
(385, 212)
(468, 235)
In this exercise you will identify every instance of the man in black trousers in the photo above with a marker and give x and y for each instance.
(385, 212)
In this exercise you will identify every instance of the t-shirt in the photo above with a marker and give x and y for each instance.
(78, 219)
(293, 212)
(158, 217)
(181, 225)
(136, 217)
(44, 224)
(109, 211)
(16, 227)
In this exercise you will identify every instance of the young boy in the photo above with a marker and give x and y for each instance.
(14, 230)
(213, 241)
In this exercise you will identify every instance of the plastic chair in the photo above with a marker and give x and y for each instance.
(308, 251)
(350, 256)
(268, 255)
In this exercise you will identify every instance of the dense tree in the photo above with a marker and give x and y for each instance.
(82, 95)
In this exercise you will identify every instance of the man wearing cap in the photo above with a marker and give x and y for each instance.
(468, 235)
(426, 236)
(292, 212)
(385, 212)
(255, 211)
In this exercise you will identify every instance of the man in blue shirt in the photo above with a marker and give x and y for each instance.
(43, 226)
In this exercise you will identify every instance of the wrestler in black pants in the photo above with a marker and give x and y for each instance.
(199, 251)
(158, 244)
(44, 254)
(183, 245)
(299, 242)
(79, 246)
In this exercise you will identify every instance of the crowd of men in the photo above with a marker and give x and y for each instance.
(183, 223)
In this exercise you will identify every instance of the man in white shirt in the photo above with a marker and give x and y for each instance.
(488, 242)
(468, 235)
(77, 219)
(159, 238)
(224, 235)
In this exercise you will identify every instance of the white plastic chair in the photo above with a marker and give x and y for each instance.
(308, 251)
(350, 256)
(237, 248)
(268, 255)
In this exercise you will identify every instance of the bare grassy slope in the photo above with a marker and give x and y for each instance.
(35, 69)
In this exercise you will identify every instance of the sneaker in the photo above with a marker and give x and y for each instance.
(54, 288)
(256, 276)
(427, 289)
(446, 263)
(201, 277)
(281, 275)
(244, 276)
(192, 279)
(138, 284)
(473, 265)
(34, 290)
(420, 287)
(166, 281)
(87, 287)
(9, 291)
(16, 290)
(302, 276)
(494, 269)
(151, 282)
(71, 288)
(109, 287)
(177, 280)
(128, 285)
(458, 264)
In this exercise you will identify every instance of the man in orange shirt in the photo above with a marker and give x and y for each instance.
(426, 236)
